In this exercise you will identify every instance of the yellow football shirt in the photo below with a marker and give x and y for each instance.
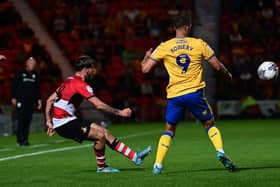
(182, 58)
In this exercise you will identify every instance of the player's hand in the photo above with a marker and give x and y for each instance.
(147, 55)
(125, 112)
(50, 130)
(39, 104)
(14, 101)
(229, 75)
(149, 52)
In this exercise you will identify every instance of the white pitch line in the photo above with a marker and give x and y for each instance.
(59, 141)
(5, 149)
(34, 146)
(68, 148)
(44, 152)
(38, 145)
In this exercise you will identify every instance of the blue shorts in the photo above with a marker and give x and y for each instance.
(195, 102)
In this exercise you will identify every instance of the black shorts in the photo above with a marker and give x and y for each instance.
(76, 129)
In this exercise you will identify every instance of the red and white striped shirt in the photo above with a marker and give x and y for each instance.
(70, 94)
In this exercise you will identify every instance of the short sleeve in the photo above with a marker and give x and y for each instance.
(207, 51)
(85, 90)
(159, 53)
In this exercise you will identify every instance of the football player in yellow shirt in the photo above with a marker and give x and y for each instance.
(182, 57)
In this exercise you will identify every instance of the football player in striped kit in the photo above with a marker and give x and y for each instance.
(61, 118)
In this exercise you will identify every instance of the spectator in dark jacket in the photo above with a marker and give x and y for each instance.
(25, 96)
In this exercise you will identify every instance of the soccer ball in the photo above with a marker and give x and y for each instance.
(268, 70)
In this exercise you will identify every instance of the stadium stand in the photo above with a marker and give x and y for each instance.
(17, 41)
(118, 33)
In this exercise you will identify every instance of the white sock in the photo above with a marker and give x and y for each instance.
(221, 151)
(158, 165)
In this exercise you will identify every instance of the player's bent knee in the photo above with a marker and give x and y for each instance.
(208, 123)
(99, 135)
(94, 125)
(170, 128)
(106, 132)
(96, 132)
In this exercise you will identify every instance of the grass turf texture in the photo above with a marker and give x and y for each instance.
(191, 161)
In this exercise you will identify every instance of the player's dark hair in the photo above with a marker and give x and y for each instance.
(84, 62)
(181, 20)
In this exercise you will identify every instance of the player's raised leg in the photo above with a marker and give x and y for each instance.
(122, 148)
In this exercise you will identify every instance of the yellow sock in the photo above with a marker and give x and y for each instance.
(216, 138)
(163, 146)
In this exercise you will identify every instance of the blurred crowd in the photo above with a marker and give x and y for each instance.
(17, 43)
(117, 34)
(250, 34)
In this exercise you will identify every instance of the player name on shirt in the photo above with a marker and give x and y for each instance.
(180, 47)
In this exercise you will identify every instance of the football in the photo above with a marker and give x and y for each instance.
(268, 70)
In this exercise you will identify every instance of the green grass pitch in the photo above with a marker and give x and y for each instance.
(53, 161)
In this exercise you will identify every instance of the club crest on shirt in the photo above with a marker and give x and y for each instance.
(84, 129)
(89, 89)
(204, 112)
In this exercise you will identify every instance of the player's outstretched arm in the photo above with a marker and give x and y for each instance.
(147, 63)
(219, 66)
(100, 105)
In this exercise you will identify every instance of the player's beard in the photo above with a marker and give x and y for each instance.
(89, 77)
